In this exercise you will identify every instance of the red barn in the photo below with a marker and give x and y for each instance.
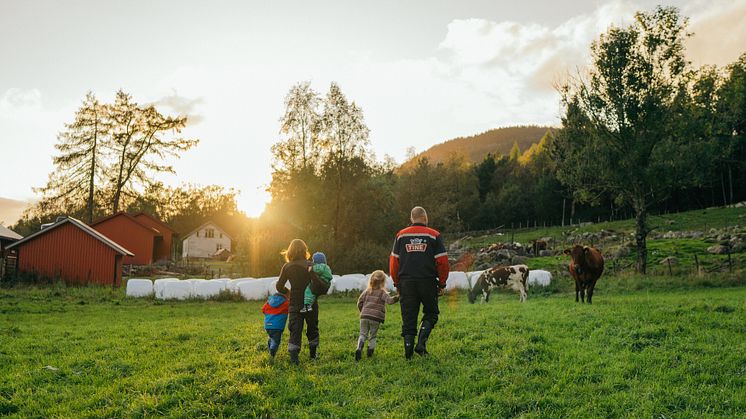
(71, 251)
(163, 244)
(139, 238)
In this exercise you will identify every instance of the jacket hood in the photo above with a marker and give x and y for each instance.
(276, 300)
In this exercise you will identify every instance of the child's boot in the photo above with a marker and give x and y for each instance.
(294, 356)
(312, 351)
(359, 350)
(370, 352)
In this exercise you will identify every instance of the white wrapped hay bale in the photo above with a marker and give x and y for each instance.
(270, 284)
(178, 290)
(332, 290)
(233, 283)
(539, 277)
(472, 277)
(225, 281)
(160, 285)
(253, 290)
(139, 288)
(208, 289)
(352, 282)
(457, 280)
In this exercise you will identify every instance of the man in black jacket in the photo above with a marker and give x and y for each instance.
(419, 267)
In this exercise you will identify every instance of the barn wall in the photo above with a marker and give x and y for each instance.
(162, 247)
(129, 234)
(70, 254)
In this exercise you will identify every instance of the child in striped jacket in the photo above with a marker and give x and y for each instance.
(372, 306)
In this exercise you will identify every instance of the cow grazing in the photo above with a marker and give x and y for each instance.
(586, 267)
(514, 277)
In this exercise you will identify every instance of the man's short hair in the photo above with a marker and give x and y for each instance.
(418, 213)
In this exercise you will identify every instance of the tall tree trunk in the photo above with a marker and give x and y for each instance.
(93, 168)
(730, 182)
(722, 187)
(641, 233)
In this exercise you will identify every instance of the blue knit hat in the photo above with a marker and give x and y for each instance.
(319, 257)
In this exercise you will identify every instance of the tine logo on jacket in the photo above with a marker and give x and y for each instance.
(416, 245)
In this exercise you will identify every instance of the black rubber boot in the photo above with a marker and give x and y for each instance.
(272, 352)
(408, 346)
(294, 356)
(370, 352)
(312, 351)
(421, 348)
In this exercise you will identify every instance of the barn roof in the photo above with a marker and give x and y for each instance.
(81, 225)
(151, 230)
(157, 221)
(206, 224)
(6, 233)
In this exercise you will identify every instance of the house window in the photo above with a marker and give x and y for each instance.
(221, 235)
(218, 247)
(197, 233)
(209, 233)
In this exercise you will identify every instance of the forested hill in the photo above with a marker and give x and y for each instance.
(476, 147)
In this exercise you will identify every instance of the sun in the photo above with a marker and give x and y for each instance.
(252, 203)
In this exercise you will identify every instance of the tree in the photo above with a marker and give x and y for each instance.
(515, 152)
(619, 128)
(485, 172)
(140, 145)
(731, 110)
(300, 124)
(343, 138)
(79, 164)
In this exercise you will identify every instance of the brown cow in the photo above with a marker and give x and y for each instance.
(586, 267)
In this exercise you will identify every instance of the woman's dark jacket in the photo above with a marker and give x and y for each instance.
(297, 273)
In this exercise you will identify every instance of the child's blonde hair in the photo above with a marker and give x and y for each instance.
(377, 280)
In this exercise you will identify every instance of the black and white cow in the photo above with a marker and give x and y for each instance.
(514, 277)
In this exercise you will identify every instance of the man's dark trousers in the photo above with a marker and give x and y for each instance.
(412, 293)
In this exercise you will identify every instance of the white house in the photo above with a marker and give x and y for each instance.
(205, 241)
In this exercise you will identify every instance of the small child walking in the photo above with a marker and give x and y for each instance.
(324, 272)
(275, 317)
(372, 306)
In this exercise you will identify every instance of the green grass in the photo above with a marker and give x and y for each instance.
(652, 346)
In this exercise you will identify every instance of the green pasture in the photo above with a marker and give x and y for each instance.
(648, 346)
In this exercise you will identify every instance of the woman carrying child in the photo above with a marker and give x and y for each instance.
(372, 306)
(298, 272)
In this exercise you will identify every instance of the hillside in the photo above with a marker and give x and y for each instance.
(11, 210)
(476, 147)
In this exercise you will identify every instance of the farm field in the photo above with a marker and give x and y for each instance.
(654, 346)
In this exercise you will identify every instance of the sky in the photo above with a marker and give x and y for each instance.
(423, 71)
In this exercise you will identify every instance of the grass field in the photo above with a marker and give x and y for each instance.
(646, 347)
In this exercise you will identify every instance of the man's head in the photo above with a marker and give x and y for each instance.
(418, 215)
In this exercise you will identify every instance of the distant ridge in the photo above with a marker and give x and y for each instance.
(11, 210)
(476, 147)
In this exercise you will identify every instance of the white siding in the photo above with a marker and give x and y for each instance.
(204, 247)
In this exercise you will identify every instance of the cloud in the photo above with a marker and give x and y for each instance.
(16, 102)
(719, 29)
(183, 106)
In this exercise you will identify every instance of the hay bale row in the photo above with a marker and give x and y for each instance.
(260, 288)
